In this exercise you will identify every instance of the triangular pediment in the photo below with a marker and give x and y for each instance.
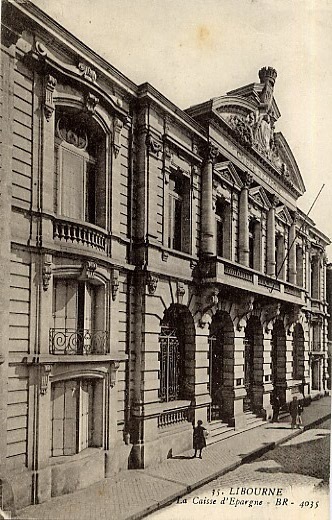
(289, 168)
(258, 195)
(227, 171)
(249, 114)
(283, 214)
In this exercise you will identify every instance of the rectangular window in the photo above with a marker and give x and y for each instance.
(78, 318)
(179, 221)
(72, 417)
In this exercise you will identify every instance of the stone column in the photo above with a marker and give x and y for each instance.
(208, 224)
(292, 252)
(244, 222)
(271, 235)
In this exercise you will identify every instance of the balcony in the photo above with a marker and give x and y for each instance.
(86, 235)
(230, 273)
(78, 342)
(173, 417)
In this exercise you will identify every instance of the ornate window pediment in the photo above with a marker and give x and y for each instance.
(283, 214)
(258, 195)
(226, 170)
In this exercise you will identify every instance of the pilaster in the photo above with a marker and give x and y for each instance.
(208, 224)
(292, 253)
(244, 222)
(7, 65)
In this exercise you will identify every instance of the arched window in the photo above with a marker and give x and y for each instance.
(80, 172)
(177, 353)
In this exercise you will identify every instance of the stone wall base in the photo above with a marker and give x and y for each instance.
(167, 445)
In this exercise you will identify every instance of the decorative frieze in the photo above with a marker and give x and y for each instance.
(117, 129)
(115, 283)
(154, 145)
(243, 309)
(269, 315)
(211, 152)
(152, 282)
(44, 375)
(113, 370)
(91, 102)
(50, 84)
(47, 271)
(89, 269)
(87, 72)
(180, 292)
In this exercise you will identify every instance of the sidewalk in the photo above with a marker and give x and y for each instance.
(133, 494)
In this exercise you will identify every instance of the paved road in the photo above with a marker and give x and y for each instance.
(292, 479)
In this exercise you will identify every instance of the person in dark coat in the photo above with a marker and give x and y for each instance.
(294, 411)
(199, 441)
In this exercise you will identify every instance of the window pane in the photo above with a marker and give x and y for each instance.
(72, 186)
(71, 396)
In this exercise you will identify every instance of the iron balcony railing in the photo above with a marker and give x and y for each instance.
(79, 342)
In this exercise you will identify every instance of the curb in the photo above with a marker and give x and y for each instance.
(250, 457)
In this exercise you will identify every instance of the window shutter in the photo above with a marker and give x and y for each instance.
(58, 401)
(71, 397)
(72, 184)
(84, 415)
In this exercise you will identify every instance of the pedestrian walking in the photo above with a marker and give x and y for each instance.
(199, 435)
(275, 408)
(299, 415)
(294, 411)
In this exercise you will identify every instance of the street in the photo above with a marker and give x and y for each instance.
(292, 479)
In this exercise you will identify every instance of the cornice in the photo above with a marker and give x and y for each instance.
(51, 27)
(147, 92)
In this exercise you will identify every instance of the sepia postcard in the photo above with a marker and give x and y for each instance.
(165, 259)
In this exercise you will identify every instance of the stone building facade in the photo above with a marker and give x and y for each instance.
(155, 266)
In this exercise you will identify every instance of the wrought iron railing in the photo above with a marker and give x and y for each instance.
(73, 232)
(80, 342)
(172, 417)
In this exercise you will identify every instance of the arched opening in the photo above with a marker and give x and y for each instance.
(177, 354)
(253, 365)
(298, 352)
(80, 167)
(278, 360)
(221, 367)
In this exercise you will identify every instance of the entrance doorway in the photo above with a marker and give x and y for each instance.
(221, 367)
(278, 356)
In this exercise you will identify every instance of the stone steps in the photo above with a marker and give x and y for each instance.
(219, 431)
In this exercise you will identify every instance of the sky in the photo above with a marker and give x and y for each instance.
(193, 50)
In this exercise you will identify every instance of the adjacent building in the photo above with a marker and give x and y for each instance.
(155, 266)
